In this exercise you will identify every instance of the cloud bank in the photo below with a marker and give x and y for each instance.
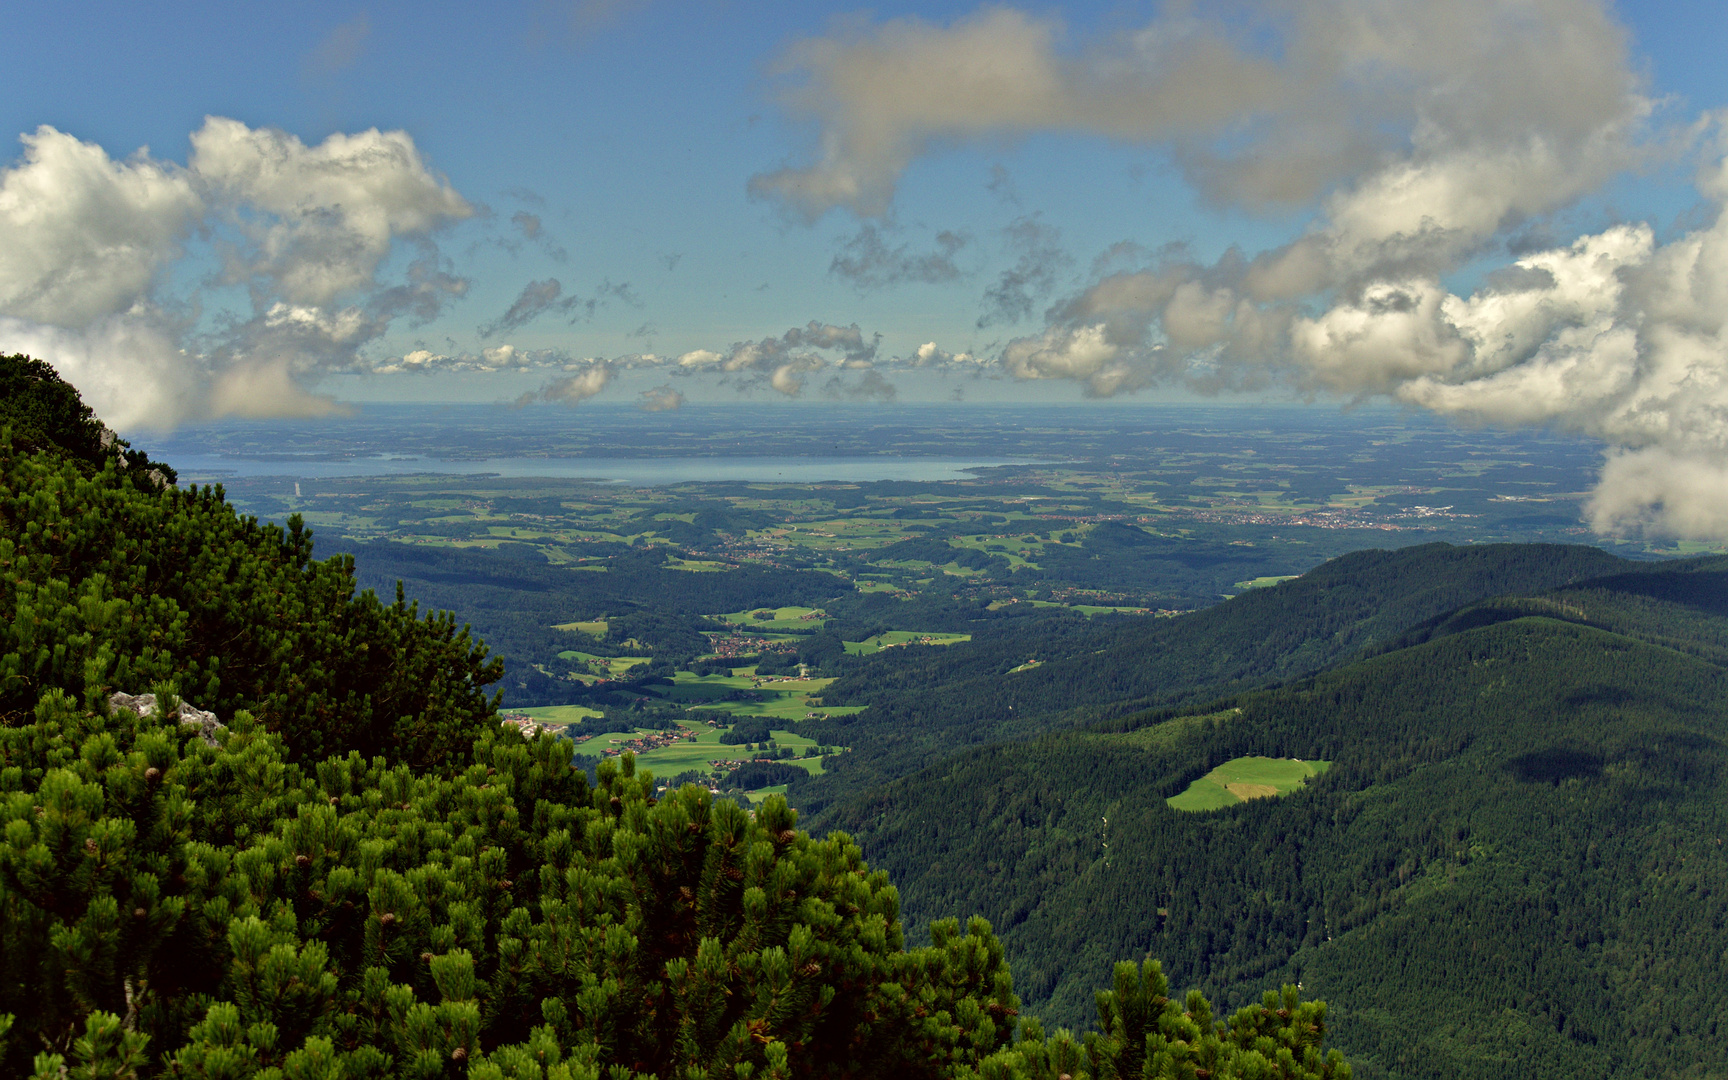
(848, 362)
(782, 363)
(1426, 135)
(89, 247)
(1270, 103)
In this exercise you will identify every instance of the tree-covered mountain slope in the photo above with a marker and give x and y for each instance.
(931, 702)
(1514, 865)
(109, 583)
(514, 598)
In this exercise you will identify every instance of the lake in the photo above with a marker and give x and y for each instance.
(645, 472)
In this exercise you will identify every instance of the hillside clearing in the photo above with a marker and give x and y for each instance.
(1245, 778)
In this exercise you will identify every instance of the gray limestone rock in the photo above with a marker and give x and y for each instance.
(145, 705)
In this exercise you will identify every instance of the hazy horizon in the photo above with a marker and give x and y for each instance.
(1508, 214)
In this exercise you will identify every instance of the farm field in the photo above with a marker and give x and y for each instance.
(781, 698)
(1245, 778)
(1099, 609)
(593, 627)
(605, 667)
(559, 714)
(1265, 582)
(895, 638)
(785, 618)
(669, 761)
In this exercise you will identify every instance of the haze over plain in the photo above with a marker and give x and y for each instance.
(1505, 213)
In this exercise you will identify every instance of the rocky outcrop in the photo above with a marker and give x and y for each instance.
(145, 705)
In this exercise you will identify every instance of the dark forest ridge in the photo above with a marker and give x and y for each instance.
(1526, 793)
(966, 694)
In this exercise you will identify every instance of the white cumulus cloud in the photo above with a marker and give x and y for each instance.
(87, 243)
(84, 237)
(1422, 135)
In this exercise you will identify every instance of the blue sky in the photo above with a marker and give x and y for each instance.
(632, 140)
(1261, 199)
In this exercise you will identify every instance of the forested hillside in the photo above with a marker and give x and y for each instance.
(515, 598)
(937, 701)
(353, 870)
(1513, 866)
(109, 579)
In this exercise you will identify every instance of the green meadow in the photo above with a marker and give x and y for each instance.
(669, 761)
(558, 714)
(785, 618)
(893, 638)
(605, 667)
(1246, 778)
(592, 627)
(1091, 609)
(782, 699)
(1266, 582)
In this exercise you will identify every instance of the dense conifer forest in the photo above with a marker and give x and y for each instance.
(1513, 867)
(310, 851)
(940, 700)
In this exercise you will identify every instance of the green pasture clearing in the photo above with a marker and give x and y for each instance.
(742, 678)
(688, 688)
(895, 638)
(861, 532)
(785, 618)
(905, 564)
(863, 584)
(699, 566)
(783, 699)
(1264, 582)
(593, 627)
(1700, 547)
(668, 761)
(558, 714)
(613, 666)
(1246, 778)
(1092, 609)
